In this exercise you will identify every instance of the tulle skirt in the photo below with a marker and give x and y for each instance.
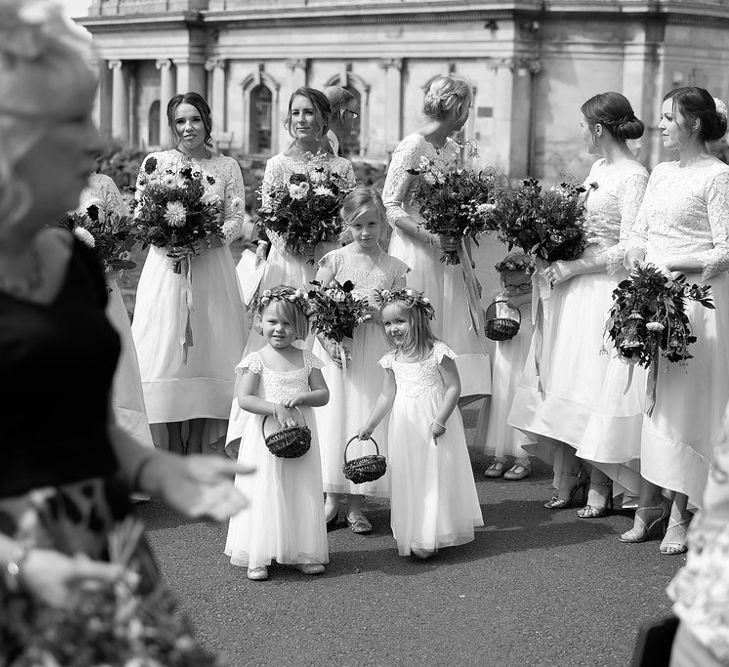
(434, 503)
(352, 395)
(176, 390)
(444, 286)
(285, 518)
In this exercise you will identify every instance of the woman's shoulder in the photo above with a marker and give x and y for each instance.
(398, 266)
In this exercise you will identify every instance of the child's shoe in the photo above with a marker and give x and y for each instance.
(257, 573)
(310, 568)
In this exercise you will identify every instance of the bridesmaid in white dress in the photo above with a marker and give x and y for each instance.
(127, 397)
(573, 375)
(192, 397)
(307, 124)
(354, 390)
(446, 108)
(683, 226)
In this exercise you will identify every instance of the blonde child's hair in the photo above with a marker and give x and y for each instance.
(419, 312)
(290, 303)
(355, 204)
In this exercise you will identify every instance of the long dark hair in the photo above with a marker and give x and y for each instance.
(198, 101)
(322, 108)
(697, 104)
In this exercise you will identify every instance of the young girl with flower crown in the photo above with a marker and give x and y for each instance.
(354, 389)
(278, 385)
(433, 499)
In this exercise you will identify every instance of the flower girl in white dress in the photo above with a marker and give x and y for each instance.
(285, 520)
(354, 390)
(434, 502)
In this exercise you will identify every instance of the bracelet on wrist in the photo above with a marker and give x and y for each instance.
(14, 569)
(437, 423)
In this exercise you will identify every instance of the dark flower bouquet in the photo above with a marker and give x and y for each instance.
(305, 210)
(175, 208)
(454, 203)
(335, 311)
(115, 626)
(648, 316)
(111, 235)
(546, 224)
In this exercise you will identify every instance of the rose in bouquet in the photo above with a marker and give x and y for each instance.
(110, 234)
(454, 202)
(548, 224)
(305, 210)
(648, 316)
(175, 208)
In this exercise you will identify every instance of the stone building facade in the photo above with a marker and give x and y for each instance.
(532, 64)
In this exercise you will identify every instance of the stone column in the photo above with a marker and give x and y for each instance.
(120, 102)
(393, 102)
(166, 92)
(190, 76)
(218, 101)
(103, 103)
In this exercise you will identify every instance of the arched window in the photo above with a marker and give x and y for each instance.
(153, 138)
(260, 119)
(352, 144)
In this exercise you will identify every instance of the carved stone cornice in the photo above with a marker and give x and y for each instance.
(163, 63)
(297, 63)
(215, 63)
(387, 63)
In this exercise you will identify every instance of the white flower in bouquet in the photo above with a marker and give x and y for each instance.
(654, 326)
(210, 198)
(339, 296)
(175, 214)
(298, 191)
(85, 236)
(424, 163)
(323, 191)
(317, 177)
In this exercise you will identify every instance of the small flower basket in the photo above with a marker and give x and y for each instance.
(502, 321)
(365, 468)
(290, 442)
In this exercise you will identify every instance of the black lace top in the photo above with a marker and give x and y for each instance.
(57, 362)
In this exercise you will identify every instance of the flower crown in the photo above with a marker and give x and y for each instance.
(516, 262)
(410, 297)
(720, 107)
(296, 296)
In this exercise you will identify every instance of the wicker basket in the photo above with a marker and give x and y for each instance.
(501, 328)
(288, 443)
(365, 468)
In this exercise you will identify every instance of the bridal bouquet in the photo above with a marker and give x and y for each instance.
(111, 235)
(335, 311)
(648, 316)
(112, 624)
(175, 208)
(455, 203)
(546, 224)
(305, 210)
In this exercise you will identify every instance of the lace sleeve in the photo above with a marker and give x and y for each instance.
(637, 238)
(311, 361)
(233, 203)
(716, 260)
(398, 181)
(332, 261)
(440, 350)
(630, 196)
(387, 359)
(400, 269)
(272, 178)
(251, 362)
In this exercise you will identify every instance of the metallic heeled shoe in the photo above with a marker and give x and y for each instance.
(557, 503)
(673, 547)
(643, 528)
(598, 512)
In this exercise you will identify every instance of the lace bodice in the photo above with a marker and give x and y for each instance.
(398, 192)
(614, 195)
(700, 590)
(685, 212)
(279, 170)
(414, 378)
(103, 192)
(228, 185)
(381, 275)
(274, 385)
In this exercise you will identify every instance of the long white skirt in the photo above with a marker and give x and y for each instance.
(352, 395)
(176, 391)
(434, 503)
(444, 286)
(127, 396)
(285, 518)
(677, 440)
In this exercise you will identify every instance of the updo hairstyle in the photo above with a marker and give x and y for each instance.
(322, 108)
(696, 103)
(197, 101)
(446, 95)
(613, 111)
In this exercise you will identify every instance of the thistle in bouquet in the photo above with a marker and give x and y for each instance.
(116, 625)
(547, 224)
(648, 317)
(454, 202)
(111, 235)
(176, 209)
(305, 210)
(335, 312)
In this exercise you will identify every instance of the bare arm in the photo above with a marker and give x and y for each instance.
(452, 381)
(382, 406)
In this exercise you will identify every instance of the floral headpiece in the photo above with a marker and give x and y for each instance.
(297, 296)
(410, 297)
(720, 107)
(516, 262)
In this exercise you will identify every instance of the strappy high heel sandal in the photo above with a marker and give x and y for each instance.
(643, 527)
(597, 512)
(671, 545)
(557, 503)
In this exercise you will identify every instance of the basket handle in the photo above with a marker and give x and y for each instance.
(265, 417)
(356, 437)
(502, 300)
